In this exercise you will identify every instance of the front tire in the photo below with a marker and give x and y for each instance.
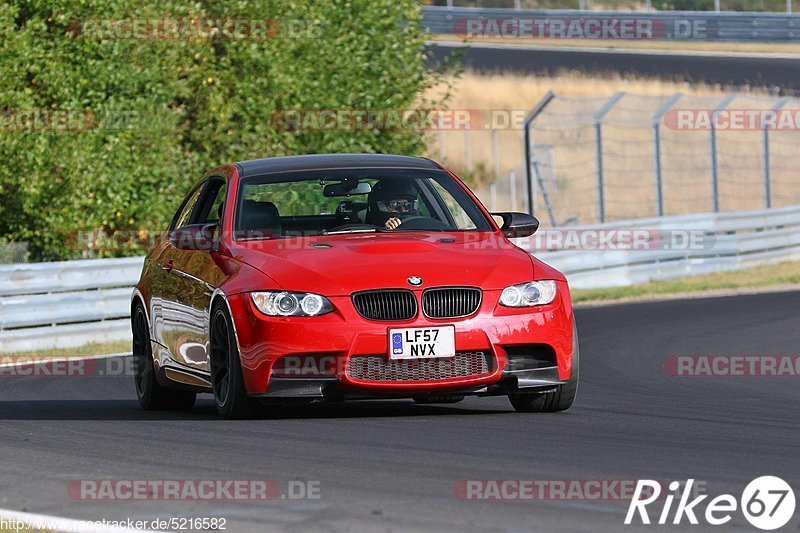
(227, 381)
(559, 399)
(152, 396)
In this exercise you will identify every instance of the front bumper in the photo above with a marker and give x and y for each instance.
(309, 357)
(329, 388)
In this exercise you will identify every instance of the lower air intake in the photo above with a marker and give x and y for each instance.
(378, 368)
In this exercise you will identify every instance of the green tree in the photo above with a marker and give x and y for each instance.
(122, 127)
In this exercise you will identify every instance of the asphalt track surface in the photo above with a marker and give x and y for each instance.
(777, 72)
(392, 465)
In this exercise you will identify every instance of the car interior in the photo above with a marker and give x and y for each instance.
(352, 211)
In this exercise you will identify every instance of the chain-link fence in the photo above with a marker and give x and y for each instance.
(490, 160)
(628, 156)
(13, 252)
(602, 159)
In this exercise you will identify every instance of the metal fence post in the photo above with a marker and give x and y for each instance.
(714, 160)
(657, 118)
(496, 154)
(598, 129)
(512, 188)
(767, 162)
(767, 171)
(601, 198)
(526, 135)
(468, 148)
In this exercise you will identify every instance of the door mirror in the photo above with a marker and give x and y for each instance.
(194, 237)
(518, 224)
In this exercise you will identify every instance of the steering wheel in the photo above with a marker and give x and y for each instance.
(420, 222)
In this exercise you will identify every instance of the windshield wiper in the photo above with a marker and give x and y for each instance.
(361, 230)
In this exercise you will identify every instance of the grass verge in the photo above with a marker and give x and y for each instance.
(24, 529)
(670, 46)
(779, 274)
(81, 351)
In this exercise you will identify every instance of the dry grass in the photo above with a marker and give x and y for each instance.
(514, 91)
(628, 148)
(80, 351)
(23, 529)
(776, 275)
(681, 46)
(520, 93)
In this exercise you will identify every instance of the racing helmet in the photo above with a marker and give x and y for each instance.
(394, 198)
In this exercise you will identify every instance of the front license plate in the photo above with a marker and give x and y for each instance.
(422, 343)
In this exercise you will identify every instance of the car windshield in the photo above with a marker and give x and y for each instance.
(352, 201)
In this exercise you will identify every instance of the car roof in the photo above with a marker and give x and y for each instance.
(269, 165)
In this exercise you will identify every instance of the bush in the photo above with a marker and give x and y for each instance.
(123, 127)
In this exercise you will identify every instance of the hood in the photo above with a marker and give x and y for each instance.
(338, 265)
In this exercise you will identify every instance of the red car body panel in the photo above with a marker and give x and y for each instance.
(353, 263)
(343, 334)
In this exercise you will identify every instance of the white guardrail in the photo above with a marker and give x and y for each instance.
(66, 304)
(71, 303)
(664, 25)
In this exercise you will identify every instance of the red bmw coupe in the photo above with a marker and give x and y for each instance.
(334, 277)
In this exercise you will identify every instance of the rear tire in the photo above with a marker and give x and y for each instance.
(559, 399)
(152, 396)
(227, 380)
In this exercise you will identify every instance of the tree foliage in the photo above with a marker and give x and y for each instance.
(122, 127)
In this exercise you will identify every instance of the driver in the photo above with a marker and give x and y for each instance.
(391, 202)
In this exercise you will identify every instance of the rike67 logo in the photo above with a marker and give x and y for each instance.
(767, 502)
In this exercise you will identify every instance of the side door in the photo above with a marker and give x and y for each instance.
(197, 275)
(165, 289)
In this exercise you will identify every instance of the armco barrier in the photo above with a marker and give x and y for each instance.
(734, 240)
(672, 25)
(67, 304)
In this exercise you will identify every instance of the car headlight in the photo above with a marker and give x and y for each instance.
(529, 294)
(291, 303)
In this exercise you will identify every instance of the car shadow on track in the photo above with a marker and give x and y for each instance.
(205, 410)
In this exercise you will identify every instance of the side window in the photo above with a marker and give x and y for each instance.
(219, 201)
(184, 215)
(459, 215)
(210, 208)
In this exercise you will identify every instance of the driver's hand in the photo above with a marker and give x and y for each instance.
(392, 223)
